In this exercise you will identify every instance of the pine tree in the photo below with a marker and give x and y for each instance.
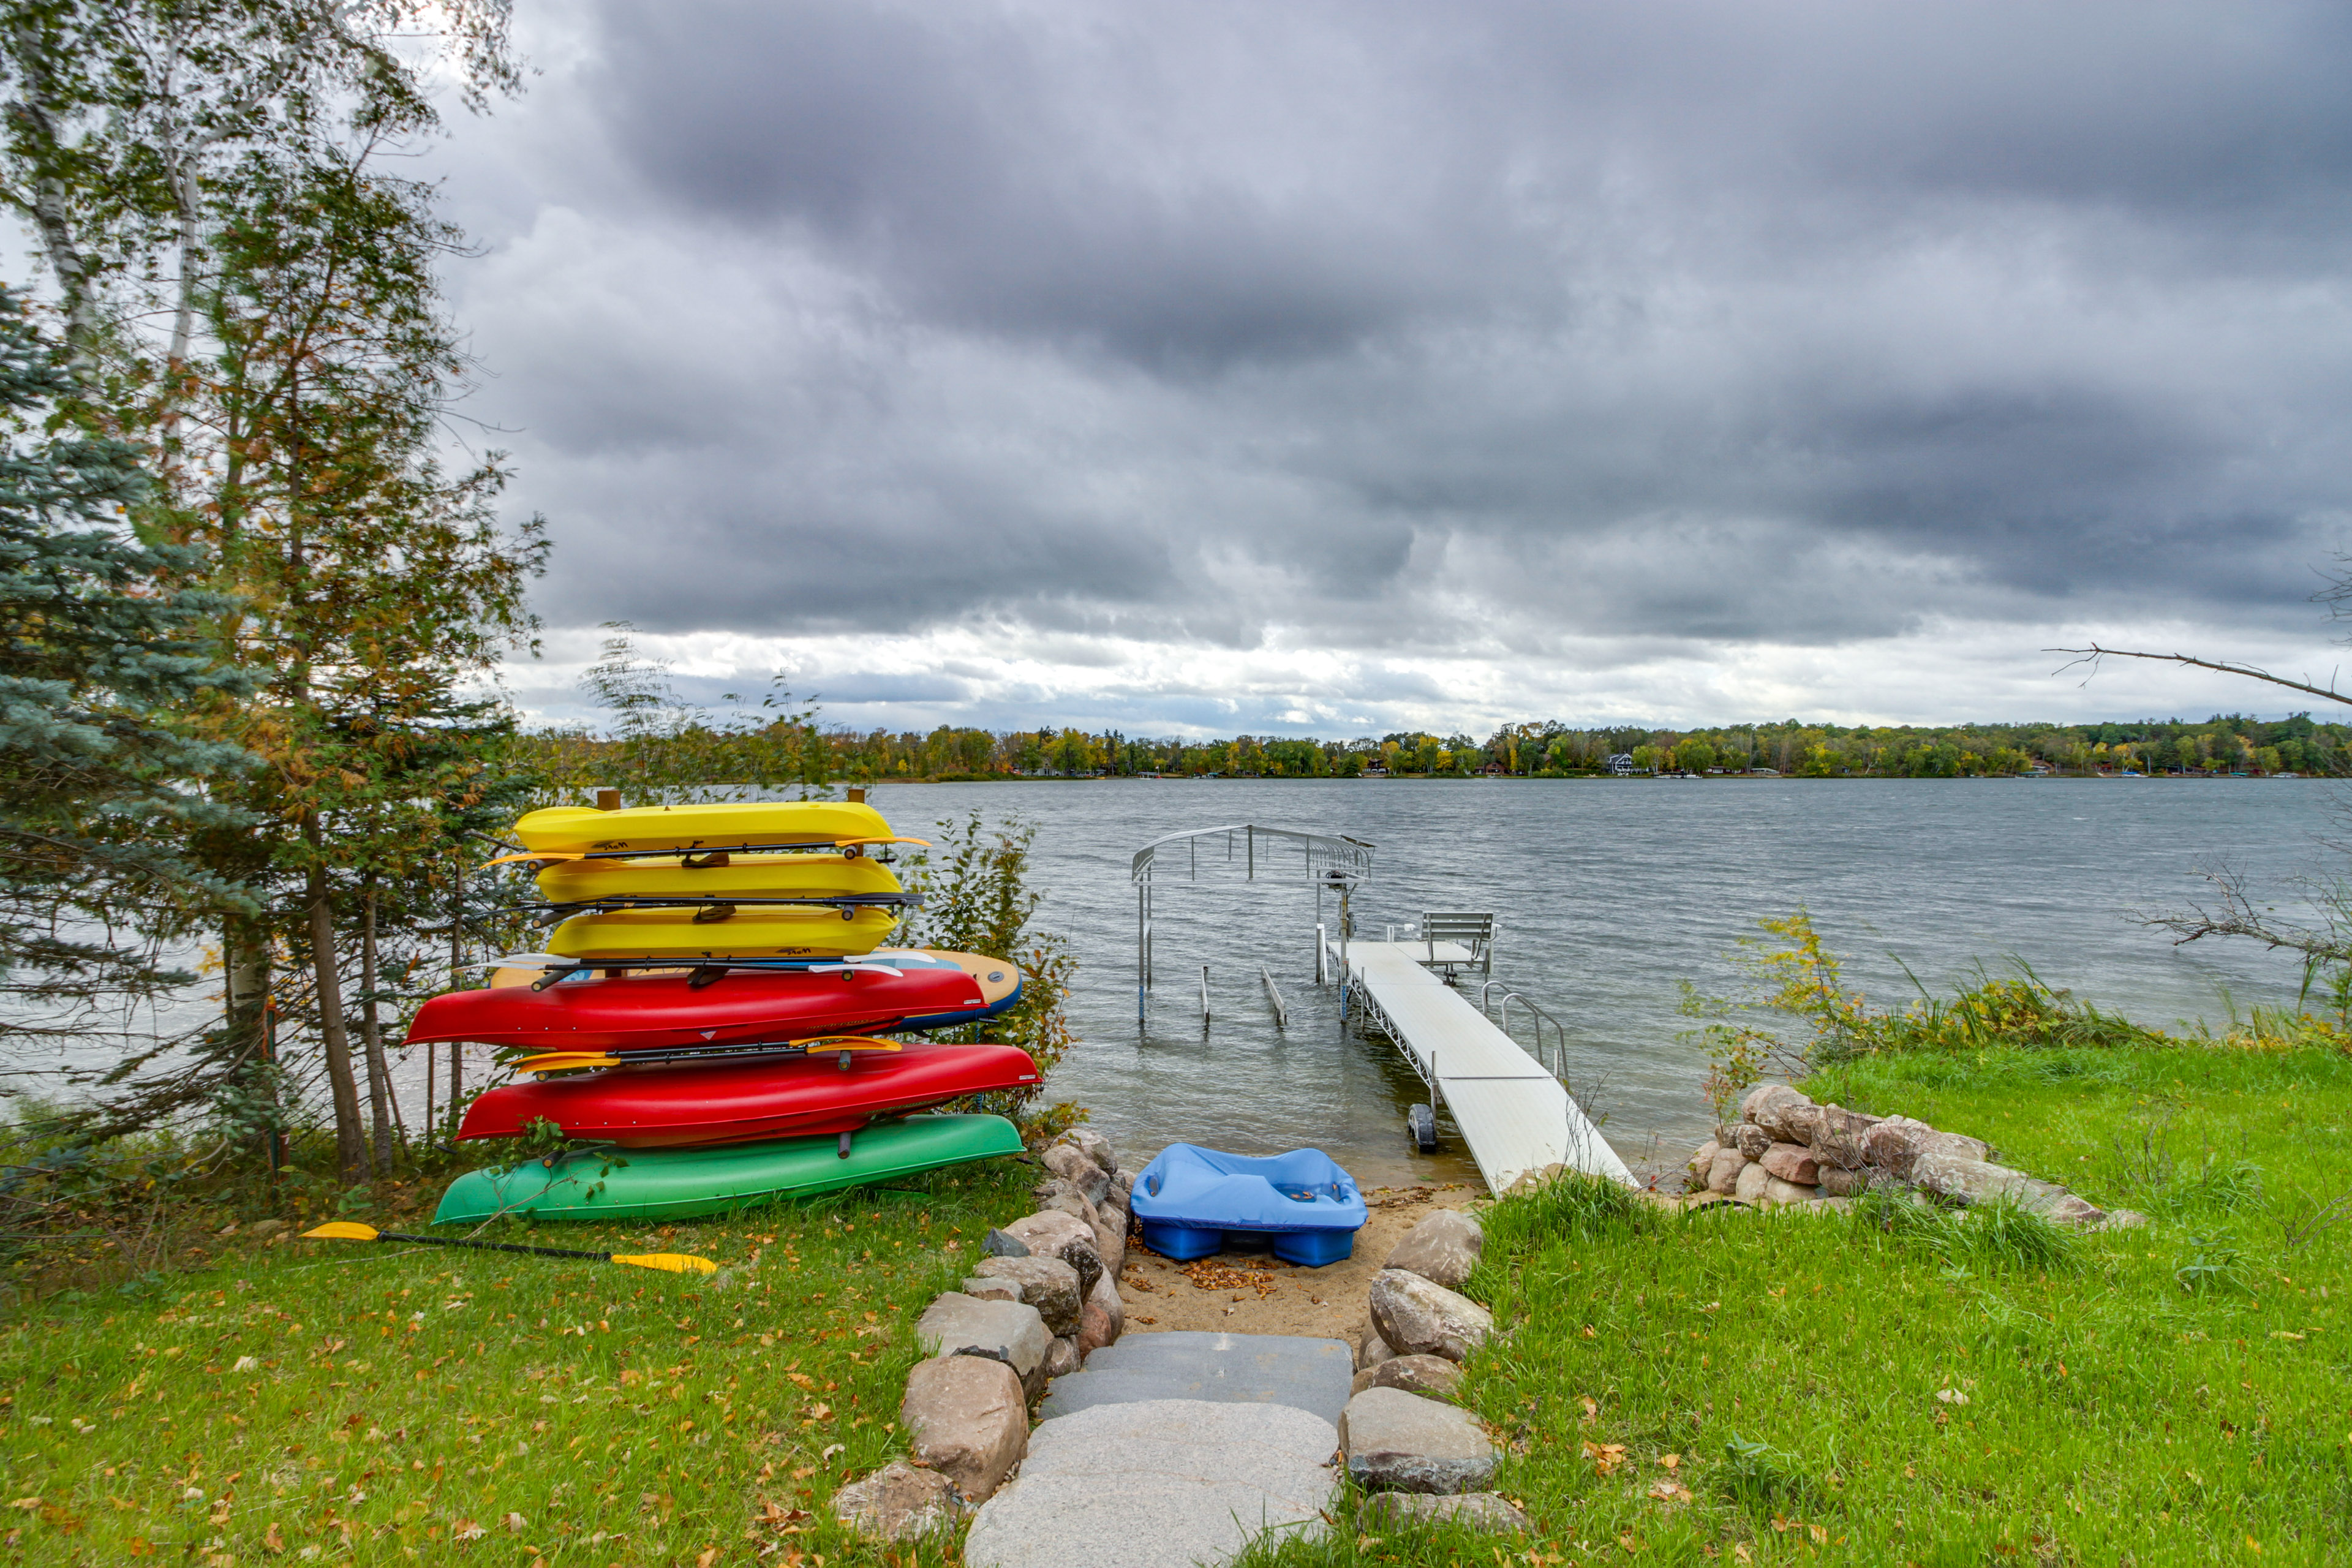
(99, 785)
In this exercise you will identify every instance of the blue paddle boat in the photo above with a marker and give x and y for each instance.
(1193, 1201)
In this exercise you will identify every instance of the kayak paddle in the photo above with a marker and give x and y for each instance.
(671, 1262)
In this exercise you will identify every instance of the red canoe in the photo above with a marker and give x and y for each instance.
(665, 1010)
(736, 1101)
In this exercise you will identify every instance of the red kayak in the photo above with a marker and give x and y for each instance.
(668, 1010)
(737, 1101)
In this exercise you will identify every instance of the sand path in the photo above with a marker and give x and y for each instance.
(1252, 1293)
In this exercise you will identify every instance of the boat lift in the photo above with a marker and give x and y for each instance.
(1331, 862)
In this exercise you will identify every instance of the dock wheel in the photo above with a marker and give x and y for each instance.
(1422, 1122)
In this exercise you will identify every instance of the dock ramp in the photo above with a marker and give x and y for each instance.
(1516, 1116)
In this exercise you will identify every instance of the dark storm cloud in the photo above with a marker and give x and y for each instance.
(1415, 328)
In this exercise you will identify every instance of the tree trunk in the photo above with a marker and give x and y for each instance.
(351, 1138)
(244, 952)
(379, 1075)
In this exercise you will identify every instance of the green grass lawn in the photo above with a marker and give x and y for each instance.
(1887, 1386)
(1893, 1385)
(377, 1403)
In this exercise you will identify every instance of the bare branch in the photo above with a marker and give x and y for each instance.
(2093, 654)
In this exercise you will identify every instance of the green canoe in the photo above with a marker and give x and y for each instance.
(675, 1183)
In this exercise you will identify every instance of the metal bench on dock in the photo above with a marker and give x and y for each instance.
(1516, 1116)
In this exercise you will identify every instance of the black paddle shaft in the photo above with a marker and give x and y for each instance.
(493, 1245)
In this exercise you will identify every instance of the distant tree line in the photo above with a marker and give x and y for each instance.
(670, 746)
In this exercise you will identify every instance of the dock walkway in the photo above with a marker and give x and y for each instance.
(1516, 1116)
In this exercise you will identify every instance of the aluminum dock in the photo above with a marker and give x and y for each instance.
(1516, 1116)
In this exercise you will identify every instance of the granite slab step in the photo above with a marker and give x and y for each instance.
(1304, 1374)
(1160, 1483)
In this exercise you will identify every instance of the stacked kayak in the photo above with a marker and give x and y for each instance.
(697, 882)
(709, 1012)
(678, 1184)
(1193, 1200)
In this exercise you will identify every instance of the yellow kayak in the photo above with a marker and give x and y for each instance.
(751, 932)
(651, 830)
(746, 877)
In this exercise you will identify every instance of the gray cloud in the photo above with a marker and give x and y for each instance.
(1507, 330)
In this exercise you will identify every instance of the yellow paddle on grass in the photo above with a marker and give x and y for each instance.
(669, 1262)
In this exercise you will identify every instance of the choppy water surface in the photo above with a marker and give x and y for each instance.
(1608, 893)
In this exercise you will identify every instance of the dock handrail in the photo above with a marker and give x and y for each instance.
(1502, 1017)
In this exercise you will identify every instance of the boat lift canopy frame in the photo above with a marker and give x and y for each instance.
(1326, 860)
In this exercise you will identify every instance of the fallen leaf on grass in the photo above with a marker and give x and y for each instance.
(1670, 1461)
(468, 1531)
(1670, 1492)
(1951, 1396)
(1605, 1456)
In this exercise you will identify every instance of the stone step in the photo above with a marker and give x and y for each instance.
(1160, 1483)
(1304, 1374)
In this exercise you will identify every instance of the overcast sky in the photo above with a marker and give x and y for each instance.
(1351, 367)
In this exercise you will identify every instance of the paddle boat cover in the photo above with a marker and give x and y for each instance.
(1191, 1199)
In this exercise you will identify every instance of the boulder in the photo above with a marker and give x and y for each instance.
(1838, 1183)
(968, 1418)
(1397, 1441)
(1838, 1137)
(1093, 1146)
(1048, 1284)
(1011, 1332)
(1444, 1248)
(1777, 1190)
(1370, 1351)
(1430, 1375)
(1701, 1158)
(1789, 1117)
(1792, 1162)
(1749, 1187)
(996, 1243)
(1894, 1144)
(2123, 1219)
(1123, 1183)
(1723, 1176)
(1966, 1181)
(1063, 1357)
(986, 1289)
(1103, 1318)
(1111, 1241)
(1957, 1146)
(1055, 1234)
(898, 1502)
(1750, 1139)
(1055, 1196)
(1420, 1317)
(1073, 1165)
(1479, 1510)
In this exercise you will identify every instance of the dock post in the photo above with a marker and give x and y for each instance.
(1322, 962)
(1142, 929)
(1204, 996)
(1343, 958)
(1273, 994)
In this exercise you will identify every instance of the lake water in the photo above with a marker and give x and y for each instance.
(1608, 893)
